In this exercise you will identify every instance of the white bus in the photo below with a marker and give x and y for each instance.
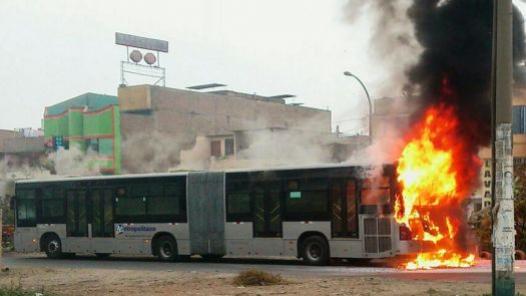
(310, 213)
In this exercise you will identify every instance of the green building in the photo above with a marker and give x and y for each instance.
(87, 122)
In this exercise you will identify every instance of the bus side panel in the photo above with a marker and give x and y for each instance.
(293, 230)
(26, 240)
(347, 248)
(238, 238)
(267, 246)
(136, 238)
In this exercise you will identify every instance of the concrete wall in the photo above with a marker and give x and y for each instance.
(173, 118)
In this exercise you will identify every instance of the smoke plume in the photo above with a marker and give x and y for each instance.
(392, 41)
(455, 65)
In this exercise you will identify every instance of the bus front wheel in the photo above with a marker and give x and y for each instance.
(315, 251)
(166, 248)
(52, 246)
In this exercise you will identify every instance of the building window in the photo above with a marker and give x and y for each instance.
(519, 120)
(60, 142)
(92, 144)
(229, 147)
(215, 148)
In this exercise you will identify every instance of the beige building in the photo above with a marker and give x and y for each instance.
(165, 128)
(20, 148)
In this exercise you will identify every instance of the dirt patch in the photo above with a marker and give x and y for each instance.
(96, 282)
(254, 277)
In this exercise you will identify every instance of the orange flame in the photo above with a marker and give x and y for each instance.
(436, 171)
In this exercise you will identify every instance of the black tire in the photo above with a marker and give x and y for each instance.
(102, 255)
(166, 248)
(52, 246)
(212, 256)
(315, 250)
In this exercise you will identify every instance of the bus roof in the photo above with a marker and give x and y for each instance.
(184, 173)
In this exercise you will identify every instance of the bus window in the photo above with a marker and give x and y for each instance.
(52, 205)
(375, 196)
(238, 206)
(131, 203)
(274, 209)
(337, 207)
(306, 199)
(164, 204)
(25, 208)
(259, 211)
(352, 213)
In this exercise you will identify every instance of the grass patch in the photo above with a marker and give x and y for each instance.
(18, 290)
(254, 277)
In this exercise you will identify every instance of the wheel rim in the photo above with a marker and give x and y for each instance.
(314, 252)
(53, 246)
(166, 250)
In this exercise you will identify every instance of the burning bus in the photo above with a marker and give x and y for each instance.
(313, 213)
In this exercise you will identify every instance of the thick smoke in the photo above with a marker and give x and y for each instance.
(455, 65)
(391, 40)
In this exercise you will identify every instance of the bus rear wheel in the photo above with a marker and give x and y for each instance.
(315, 251)
(52, 246)
(166, 248)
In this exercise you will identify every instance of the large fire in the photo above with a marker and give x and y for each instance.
(437, 171)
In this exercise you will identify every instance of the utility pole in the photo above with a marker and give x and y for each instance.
(503, 236)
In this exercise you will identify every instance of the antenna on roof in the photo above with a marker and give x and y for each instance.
(151, 66)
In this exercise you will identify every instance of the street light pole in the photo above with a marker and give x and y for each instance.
(503, 236)
(347, 73)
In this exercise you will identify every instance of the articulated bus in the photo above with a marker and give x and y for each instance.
(313, 213)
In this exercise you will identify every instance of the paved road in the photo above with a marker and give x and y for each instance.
(478, 273)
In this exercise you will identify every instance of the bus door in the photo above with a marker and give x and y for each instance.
(344, 208)
(76, 222)
(267, 209)
(102, 213)
(76, 214)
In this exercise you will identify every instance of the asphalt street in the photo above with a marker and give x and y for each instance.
(479, 273)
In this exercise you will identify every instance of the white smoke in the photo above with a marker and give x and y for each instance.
(75, 162)
(392, 38)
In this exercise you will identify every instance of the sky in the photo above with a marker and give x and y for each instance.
(56, 49)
